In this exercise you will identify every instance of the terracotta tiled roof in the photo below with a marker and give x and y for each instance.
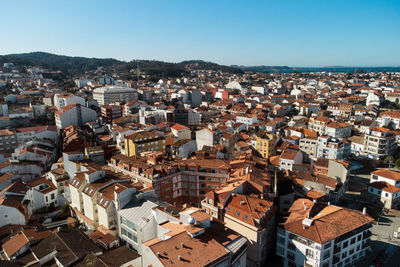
(390, 174)
(328, 221)
(385, 187)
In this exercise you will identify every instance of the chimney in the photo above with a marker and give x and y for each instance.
(364, 211)
(180, 257)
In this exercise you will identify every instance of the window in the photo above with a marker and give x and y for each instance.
(291, 256)
(309, 253)
(345, 244)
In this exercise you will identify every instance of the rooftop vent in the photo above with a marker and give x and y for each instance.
(307, 222)
(180, 257)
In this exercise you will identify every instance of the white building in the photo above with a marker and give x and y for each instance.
(316, 234)
(247, 119)
(205, 137)
(75, 115)
(41, 195)
(379, 142)
(333, 148)
(62, 100)
(11, 209)
(113, 94)
(338, 129)
(389, 117)
(373, 100)
(385, 187)
(38, 132)
(289, 158)
(181, 131)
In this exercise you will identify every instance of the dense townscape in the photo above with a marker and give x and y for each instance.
(215, 167)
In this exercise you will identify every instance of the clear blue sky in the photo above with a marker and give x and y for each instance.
(280, 32)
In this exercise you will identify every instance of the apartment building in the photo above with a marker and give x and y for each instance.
(338, 129)
(42, 194)
(74, 115)
(318, 124)
(379, 142)
(308, 145)
(37, 132)
(250, 216)
(8, 140)
(185, 236)
(333, 148)
(175, 181)
(110, 112)
(205, 137)
(96, 197)
(389, 117)
(64, 99)
(112, 94)
(203, 244)
(266, 144)
(145, 141)
(247, 119)
(136, 223)
(181, 131)
(317, 234)
(384, 187)
(289, 159)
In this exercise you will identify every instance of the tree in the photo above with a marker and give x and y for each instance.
(397, 163)
(389, 160)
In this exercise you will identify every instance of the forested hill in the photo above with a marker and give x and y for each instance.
(79, 65)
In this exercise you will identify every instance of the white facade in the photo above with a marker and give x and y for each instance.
(204, 137)
(249, 120)
(299, 251)
(11, 215)
(72, 116)
(113, 94)
(63, 100)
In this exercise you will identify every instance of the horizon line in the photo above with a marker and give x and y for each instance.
(231, 65)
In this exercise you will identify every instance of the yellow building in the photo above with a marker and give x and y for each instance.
(266, 145)
(140, 142)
